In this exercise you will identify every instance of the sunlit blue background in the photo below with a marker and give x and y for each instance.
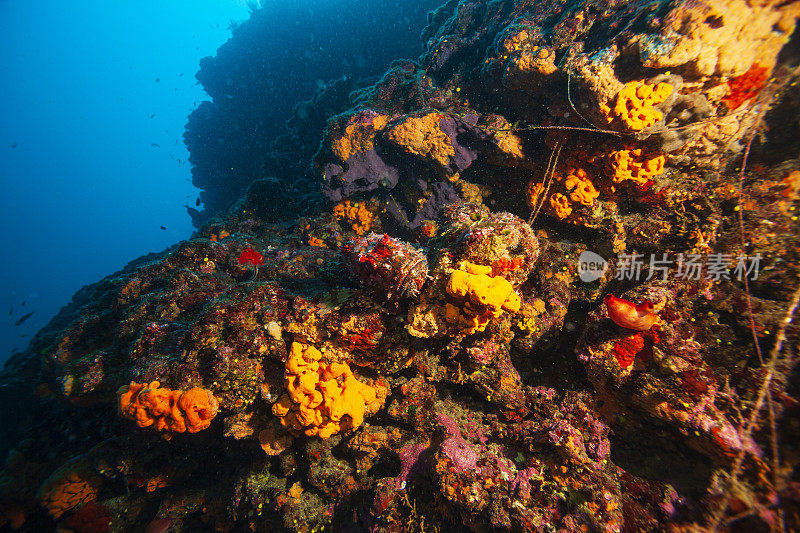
(87, 88)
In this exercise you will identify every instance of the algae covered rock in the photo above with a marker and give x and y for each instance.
(546, 293)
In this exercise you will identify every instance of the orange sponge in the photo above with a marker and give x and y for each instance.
(635, 104)
(560, 205)
(73, 484)
(323, 400)
(357, 214)
(171, 411)
(358, 135)
(582, 189)
(635, 166)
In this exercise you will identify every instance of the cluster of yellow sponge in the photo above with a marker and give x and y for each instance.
(582, 189)
(359, 217)
(635, 166)
(358, 135)
(635, 104)
(560, 205)
(479, 297)
(422, 136)
(323, 400)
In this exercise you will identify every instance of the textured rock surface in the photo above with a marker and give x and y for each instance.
(276, 67)
(450, 275)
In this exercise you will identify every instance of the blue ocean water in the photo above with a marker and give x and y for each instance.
(99, 102)
(94, 97)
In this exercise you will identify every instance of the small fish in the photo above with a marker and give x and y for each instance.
(158, 80)
(10, 311)
(14, 145)
(156, 145)
(23, 319)
(23, 303)
(197, 202)
(163, 227)
(153, 115)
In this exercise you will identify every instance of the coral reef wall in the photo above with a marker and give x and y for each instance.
(553, 286)
(279, 57)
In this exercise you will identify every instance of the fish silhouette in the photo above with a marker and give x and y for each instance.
(23, 318)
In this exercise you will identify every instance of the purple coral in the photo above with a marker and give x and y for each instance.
(466, 139)
(362, 172)
(410, 462)
(463, 454)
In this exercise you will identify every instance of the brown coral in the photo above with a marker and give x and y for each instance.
(539, 60)
(273, 439)
(721, 37)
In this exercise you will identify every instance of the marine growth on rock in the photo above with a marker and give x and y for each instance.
(545, 276)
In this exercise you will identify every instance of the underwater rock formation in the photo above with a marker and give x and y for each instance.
(549, 293)
(254, 83)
